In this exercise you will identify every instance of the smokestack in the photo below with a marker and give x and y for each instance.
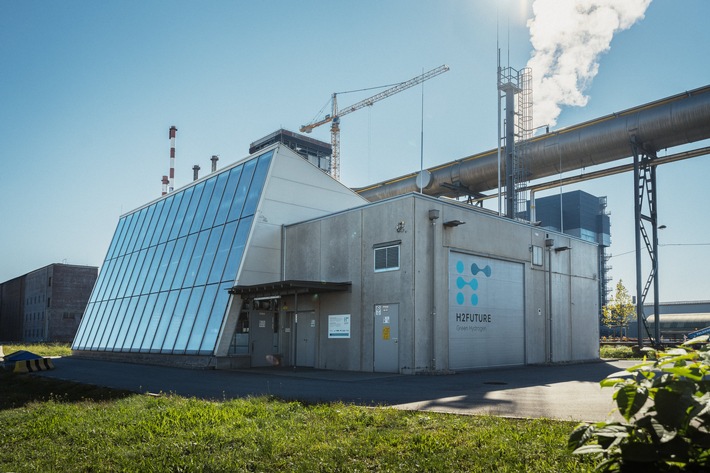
(195, 172)
(214, 160)
(165, 184)
(171, 186)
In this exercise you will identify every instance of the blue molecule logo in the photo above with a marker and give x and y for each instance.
(461, 282)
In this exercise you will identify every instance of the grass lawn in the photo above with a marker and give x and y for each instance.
(51, 425)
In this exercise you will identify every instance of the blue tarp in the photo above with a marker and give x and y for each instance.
(21, 355)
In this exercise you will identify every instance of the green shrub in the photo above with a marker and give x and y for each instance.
(666, 407)
(617, 351)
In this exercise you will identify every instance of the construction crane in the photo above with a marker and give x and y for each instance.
(335, 115)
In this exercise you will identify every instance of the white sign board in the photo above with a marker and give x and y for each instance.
(486, 312)
(339, 326)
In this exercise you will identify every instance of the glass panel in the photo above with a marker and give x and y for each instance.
(137, 271)
(213, 206)
(188, 319)
(115, 281)
(97, 329)
(229, 191)
(131, 333)
(184, 262)
(208, 256)
(130, 226)
(147, 230)
(160, 222)
(95, 320)
(177, 198)
(116, 238)
(155, 318)
(257, 184)
(150, 254)
(150, 276)
(190, 214)
(143, 324)
(162, 269)
(195, 259)
(215, 322)
(187, 194)
(117, 321)
(237, 250)
(111, 323)
(140, 216)
(128, 274)
(172, 266)
(244, 181)
(222, 253)
(172, 314)
(104, 277)
(150, 236)
(198, 329)
(85, 321)
(116, 343)
(204, 202)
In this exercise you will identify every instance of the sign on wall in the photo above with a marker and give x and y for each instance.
(339, 326)
(486, 312)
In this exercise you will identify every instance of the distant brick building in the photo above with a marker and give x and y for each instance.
(45, 305)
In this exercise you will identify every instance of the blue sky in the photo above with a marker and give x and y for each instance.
(89, 89)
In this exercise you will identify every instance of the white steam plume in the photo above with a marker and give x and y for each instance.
(568, 36)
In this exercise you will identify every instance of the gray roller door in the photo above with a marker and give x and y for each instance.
(486, 312)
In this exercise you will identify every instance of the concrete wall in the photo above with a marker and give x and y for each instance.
(294, 190)
(12, 308)
(56, 297)
(340, 247)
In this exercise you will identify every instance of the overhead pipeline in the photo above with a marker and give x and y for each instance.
(665, 123)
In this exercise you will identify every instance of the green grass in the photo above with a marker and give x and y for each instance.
(47, 425)
(41, 349)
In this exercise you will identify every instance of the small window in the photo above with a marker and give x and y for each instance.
(537, 255)
(387, 258)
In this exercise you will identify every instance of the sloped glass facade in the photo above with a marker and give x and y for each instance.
(163, 285)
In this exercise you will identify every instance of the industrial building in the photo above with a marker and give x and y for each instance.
(45, 305)
(584, 216)
(271, 261)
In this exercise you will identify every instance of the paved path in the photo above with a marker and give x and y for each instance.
(566, 392)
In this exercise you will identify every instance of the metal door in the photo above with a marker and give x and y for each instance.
(261, 338)
(387, 338)
(306, 339)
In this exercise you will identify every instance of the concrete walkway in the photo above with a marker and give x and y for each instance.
(565, 392)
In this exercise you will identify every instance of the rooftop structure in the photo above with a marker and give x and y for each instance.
(315, 151)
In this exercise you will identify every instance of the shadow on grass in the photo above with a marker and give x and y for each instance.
(19, 390)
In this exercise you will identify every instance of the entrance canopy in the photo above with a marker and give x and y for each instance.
(280, 288)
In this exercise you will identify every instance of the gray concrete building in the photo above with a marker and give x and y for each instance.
(45, 305)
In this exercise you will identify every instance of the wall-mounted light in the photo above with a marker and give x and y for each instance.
(560, 249)
(453, 223)
(400, 227)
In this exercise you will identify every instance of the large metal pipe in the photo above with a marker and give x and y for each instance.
(665, 123)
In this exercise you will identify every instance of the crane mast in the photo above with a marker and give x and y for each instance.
(335, 115)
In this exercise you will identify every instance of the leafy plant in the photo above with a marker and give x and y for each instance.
(666, 407)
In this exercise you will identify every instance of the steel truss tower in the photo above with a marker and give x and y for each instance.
(646, 192)
(517, 130)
